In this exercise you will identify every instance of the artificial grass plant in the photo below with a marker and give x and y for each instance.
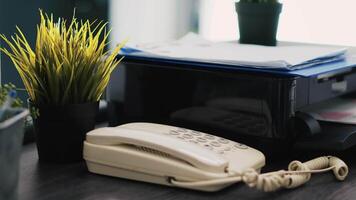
(69, 64)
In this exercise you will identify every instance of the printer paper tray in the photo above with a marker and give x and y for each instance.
(332, 136)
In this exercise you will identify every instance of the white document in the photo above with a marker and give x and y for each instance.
(194, 48)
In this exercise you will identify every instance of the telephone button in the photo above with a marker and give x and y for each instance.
(215, 144)
(221, 152)
(193, 141)
(223, 141)
(240, 146)
(200, 139)
(209, 137)
(227, 148)
(187, 136)
(183, 130)
(196, 133)
(181, 137)
(173, 132)
(208, 146)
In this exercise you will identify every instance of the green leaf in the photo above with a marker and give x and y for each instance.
(69, 63)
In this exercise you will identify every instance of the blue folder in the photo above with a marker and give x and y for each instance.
(344, 64)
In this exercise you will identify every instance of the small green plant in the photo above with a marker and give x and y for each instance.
(4, 91)
(34, 112)
(6, 110)
(259, 1)
(69, 64)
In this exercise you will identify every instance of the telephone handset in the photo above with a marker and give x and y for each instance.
(185, 158)
(198, 157)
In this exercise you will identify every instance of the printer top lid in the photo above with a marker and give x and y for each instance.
(348, 63)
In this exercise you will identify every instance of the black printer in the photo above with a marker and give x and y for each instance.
(258, 107)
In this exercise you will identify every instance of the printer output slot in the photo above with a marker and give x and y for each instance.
(329, 85)
(335, 76)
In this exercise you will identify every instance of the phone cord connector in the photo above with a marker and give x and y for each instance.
(297, 174)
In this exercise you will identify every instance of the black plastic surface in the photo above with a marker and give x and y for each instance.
(154, 93)
(306, 125)
(230, 101)
(333, 137)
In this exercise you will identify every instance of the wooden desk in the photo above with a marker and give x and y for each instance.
(40, 181)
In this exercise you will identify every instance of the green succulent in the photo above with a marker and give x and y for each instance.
(4, 90)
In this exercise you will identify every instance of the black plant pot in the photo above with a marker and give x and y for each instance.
(258, 22)
(60, 130)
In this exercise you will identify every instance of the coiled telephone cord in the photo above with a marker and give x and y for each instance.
(297, 174)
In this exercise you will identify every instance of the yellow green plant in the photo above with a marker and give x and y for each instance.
(69, 64)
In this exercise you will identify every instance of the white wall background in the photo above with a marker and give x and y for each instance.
(314, 21)
(149, 20)
(319, 21)
(218, 20)
(145, 21)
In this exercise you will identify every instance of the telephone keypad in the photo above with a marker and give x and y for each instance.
(213, 143)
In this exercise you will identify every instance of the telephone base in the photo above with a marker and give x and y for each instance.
(124, 173)
(134, 175)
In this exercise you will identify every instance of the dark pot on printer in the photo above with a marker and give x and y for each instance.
(60, 130)
(258, 22)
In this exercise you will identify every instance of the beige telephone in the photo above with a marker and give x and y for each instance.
(185, 158)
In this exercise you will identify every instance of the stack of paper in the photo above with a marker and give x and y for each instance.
(194, 48)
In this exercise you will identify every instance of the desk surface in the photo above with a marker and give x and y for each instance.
(39, 181)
